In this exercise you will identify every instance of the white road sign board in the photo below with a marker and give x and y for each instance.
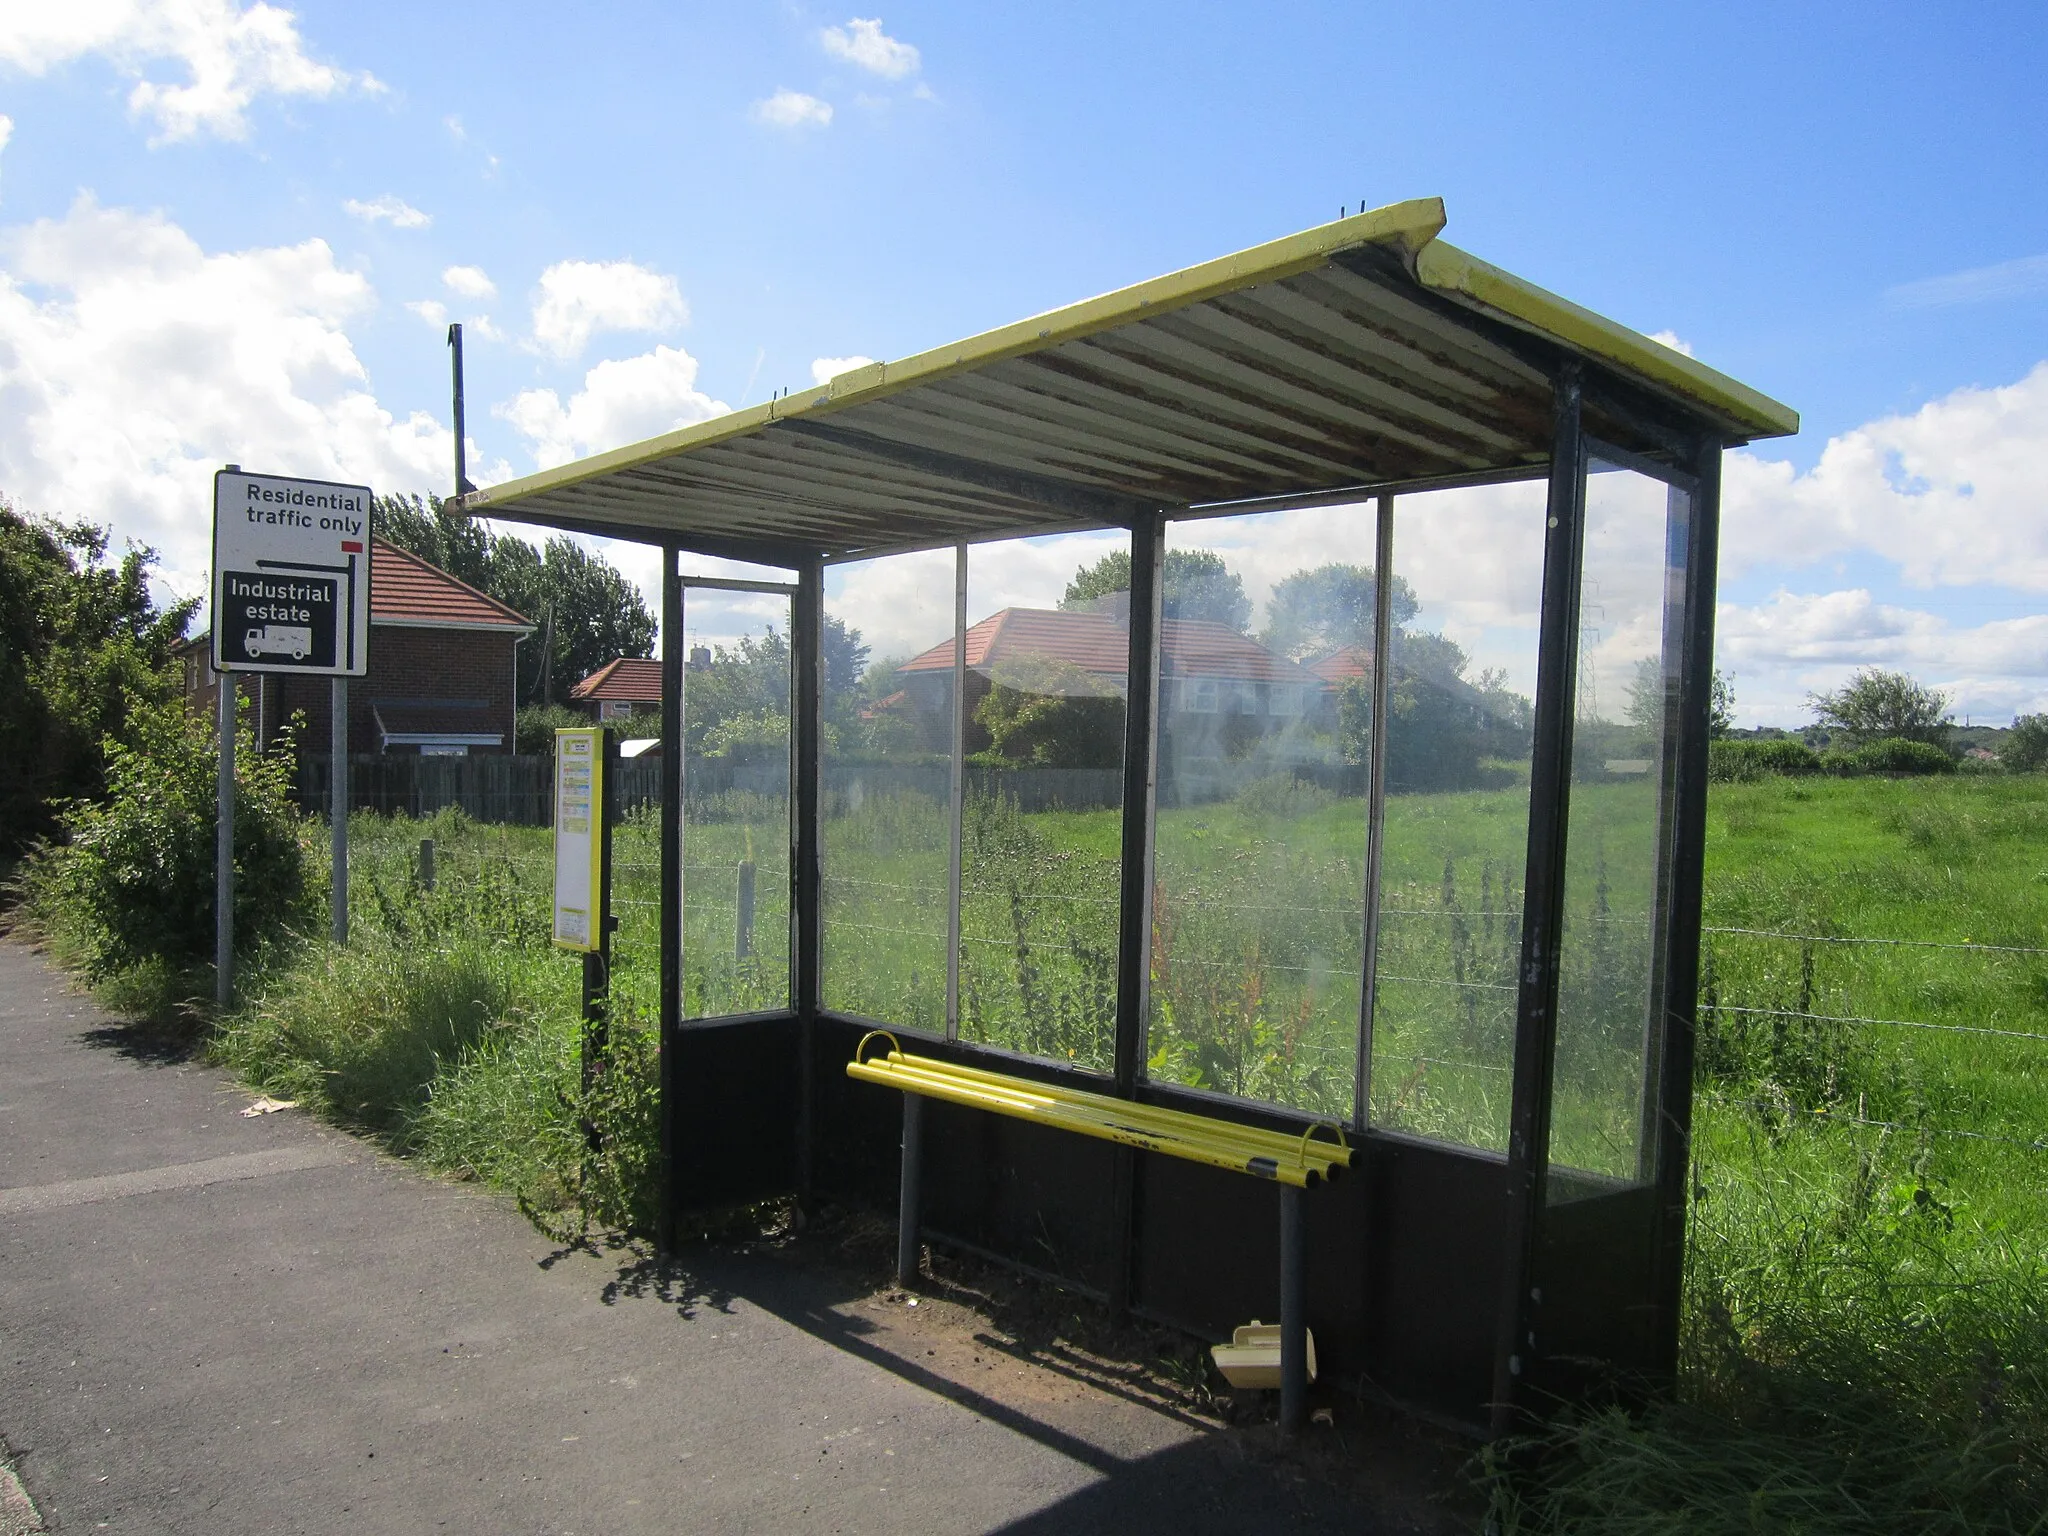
(291, 575)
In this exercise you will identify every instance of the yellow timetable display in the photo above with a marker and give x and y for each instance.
(579, 838)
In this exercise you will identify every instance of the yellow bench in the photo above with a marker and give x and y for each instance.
(1303, 1160)
(1296, 1162)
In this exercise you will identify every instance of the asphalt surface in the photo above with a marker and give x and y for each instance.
(218, 1324)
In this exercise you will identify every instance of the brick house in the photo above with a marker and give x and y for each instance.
(440, 679)
(1214, 682)
(629, 685)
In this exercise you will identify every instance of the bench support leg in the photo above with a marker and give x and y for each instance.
(911, 1196)
(1293, 1312)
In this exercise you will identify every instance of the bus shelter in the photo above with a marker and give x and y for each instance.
(1285, 698)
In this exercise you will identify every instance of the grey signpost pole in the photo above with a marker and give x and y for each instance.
(337, 804)
(224, 849)
(291, 594)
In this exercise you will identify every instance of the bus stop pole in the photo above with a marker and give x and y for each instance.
(224, 847)
(337, 803)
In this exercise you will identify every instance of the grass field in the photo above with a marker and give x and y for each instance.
(1867, 1305)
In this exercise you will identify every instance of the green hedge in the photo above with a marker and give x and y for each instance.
(1742, 762)
(1892, 755)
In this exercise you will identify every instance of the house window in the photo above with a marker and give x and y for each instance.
(616, 709)
(1244, 698)
(1283, 699)
(1199, 694)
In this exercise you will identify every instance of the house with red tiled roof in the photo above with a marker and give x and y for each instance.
(1341, 666)
(622, 687)
(440, 680)
(1209, 672)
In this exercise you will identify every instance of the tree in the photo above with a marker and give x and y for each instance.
(1646, 701)
(1196, 584)
(1314, 612)
(438, 534)
(1875, 704)
(587, 612)
(83, 645)
(2026, 745)
(1041, 712)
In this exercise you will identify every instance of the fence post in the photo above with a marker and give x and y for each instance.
(743, 926)
(426, 863)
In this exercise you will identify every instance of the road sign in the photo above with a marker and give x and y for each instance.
(291, 575)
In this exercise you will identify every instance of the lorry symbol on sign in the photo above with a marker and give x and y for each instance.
(293, 640)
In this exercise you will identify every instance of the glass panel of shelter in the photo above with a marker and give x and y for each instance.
(975, 714)
(1464, 617)
(1043, 673)
(1626, 715)
(1264, 738)
(888, 691)
(736, 801)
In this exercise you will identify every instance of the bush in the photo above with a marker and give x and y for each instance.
(82, 644)
(134, 880)
(1896, 755)
(1742, 762)
(2026, 745)
(534, 727)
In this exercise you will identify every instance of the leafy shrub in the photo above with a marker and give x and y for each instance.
(1282, 796)
(534, 727)
(1876, 705)
(134, 880)
(82, 644)
(1896, 755)
(1743, 762)
(2026, 745)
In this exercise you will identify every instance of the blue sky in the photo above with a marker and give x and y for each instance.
(214, 218)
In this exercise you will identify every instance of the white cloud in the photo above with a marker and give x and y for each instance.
(622, 401)
(792, 109)
(1952, 494)
(395, 211)
(2006, 280)
(1672, 340)
(1793, 644)
(864, 43)
(825, 369)
(134, 363)
(230, 55)
(433, 311)
(470, 282)
(577, 298)
(6, 130)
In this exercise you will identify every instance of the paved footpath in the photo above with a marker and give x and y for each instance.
(213, 1324)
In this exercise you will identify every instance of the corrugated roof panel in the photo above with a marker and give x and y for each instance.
(1360, 353)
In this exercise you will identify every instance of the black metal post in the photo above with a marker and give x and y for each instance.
(1673, 1088)
(807, 736)
(1293, 1311)
(910, 1199)
(671, 887)
(462, 485)
(1543, 900)
(1134, 910)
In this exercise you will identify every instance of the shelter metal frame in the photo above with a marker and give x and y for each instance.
(1377, 362)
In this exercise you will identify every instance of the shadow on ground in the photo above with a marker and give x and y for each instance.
(1368, 1470)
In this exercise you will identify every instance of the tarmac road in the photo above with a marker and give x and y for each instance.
(214, 1324)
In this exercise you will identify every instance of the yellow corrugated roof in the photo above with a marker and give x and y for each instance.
(1360, 351)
